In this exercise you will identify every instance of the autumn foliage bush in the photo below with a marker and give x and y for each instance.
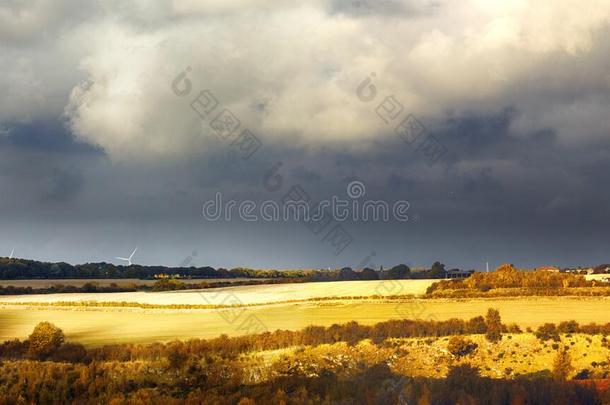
(44, 340)
(539, 282)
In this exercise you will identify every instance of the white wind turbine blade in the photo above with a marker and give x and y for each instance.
(133, 253)
(12, 251)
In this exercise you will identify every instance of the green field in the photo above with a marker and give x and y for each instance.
(93, 326)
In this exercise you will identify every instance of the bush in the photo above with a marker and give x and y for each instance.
(459, 346)
(562, 365)
(494, 325)
(369, 274)
(568, 327)
(168, 284)
(485, 287)
(44, 340)
(176, 355)
(477, 325)
(462, 376)
(70, 353)
(546, 332)
(513, 328)
(13, 349)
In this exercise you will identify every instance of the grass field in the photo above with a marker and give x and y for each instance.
(114, 325)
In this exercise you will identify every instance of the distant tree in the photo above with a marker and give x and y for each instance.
(399, 272)
(44, 340)
(347, 273)
(562, 365)
(493, 322)
(369, 274)
(477, 325)
(437, 270)
(438, 266)
(601, 269)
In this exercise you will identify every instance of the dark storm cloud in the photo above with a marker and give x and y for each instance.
(365, 8)
(499, 183)
(306, 175)
(520, 104)
(49, 136)
(43, 161)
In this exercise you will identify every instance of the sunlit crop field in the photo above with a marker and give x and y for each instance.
(254, 294)
(599, 277)
(113, 325)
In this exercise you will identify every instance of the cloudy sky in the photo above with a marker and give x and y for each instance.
(107, 139)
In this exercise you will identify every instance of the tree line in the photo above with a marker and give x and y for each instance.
(165, 284)
(15, 269)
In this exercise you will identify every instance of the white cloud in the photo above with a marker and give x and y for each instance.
(302, 63)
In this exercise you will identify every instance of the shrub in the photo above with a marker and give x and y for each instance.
(513, 328)
(547, 331)
(176, 355)
(462, 375)
(44, 340)
(568, 327)
(13, 349)
(459, 346)
(477, 325)
(168, 284)
(494, 325)
(562, 365)
(485, 287)
(70, 353)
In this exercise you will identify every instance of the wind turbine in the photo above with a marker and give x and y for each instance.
(128, 259)
(487, 265)
(12, 251)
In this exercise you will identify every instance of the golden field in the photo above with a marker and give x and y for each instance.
(97, 326)
(252, 294)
